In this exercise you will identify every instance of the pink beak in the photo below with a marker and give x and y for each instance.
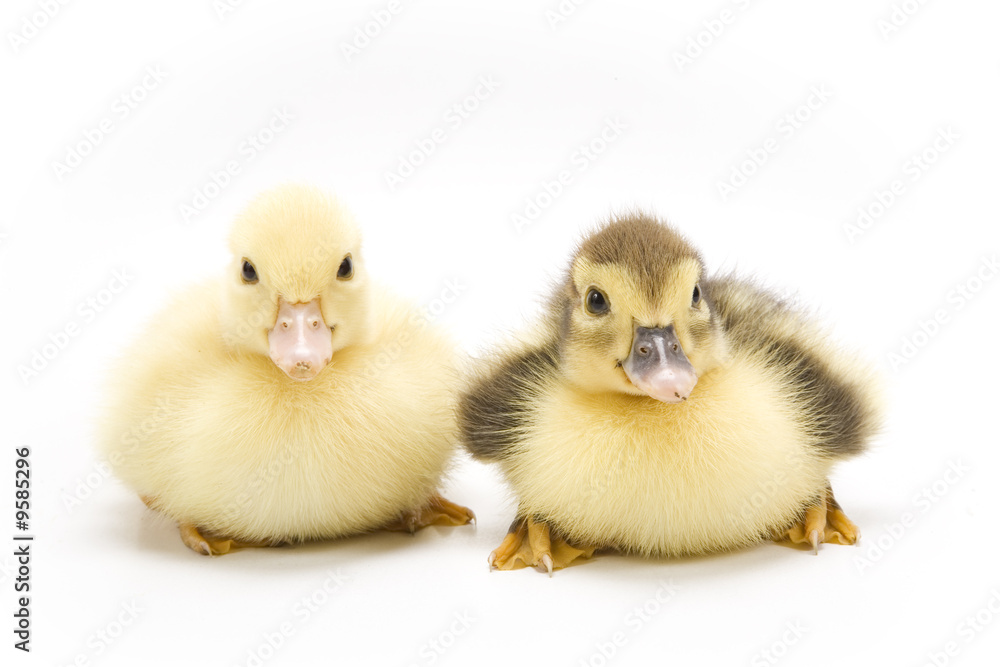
(300, 343)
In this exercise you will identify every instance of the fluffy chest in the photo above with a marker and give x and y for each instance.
(716, 472)
(313, 460)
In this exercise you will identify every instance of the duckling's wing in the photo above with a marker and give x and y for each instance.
(497, 411)
(834, 398)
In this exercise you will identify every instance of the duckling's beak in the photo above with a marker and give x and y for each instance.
(658, 366)
(300, 343)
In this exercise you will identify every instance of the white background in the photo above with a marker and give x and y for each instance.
(901, 597)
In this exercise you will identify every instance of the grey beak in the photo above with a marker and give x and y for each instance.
(658, 366)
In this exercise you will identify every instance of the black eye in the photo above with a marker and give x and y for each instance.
(249, 273)
(696, 297)
(596, 303)
(346, 270)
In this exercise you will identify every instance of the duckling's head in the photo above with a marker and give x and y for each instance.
(633, 314)
(296, 286)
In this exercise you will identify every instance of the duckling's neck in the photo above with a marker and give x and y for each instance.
(643, 407)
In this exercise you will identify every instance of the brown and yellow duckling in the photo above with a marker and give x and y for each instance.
(662, 412)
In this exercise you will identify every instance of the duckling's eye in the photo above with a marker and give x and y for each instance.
(346, 270)
(595, 302)
(696, 297)
(249, 273)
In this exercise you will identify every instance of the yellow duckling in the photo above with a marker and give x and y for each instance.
(291, 399)
(663, 413)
